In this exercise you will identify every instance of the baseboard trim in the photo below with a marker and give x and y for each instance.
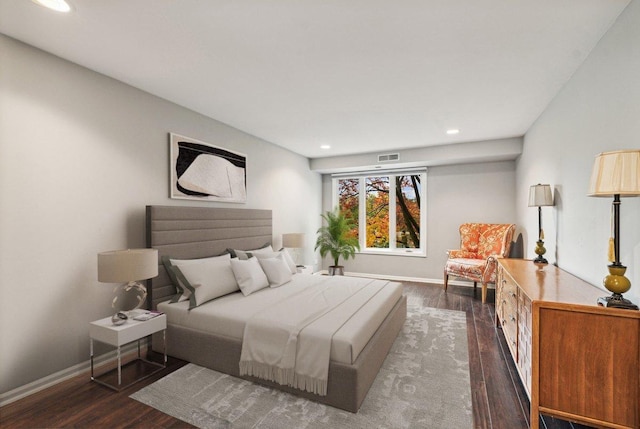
(438, 281)
(68, 373)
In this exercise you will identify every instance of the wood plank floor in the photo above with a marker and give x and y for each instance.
(498, 398)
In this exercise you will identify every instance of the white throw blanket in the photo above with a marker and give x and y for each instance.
(290, 342)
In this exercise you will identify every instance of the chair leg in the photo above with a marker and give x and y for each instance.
(484, 293)
(446, 281)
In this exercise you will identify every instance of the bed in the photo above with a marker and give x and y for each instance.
(198, 232)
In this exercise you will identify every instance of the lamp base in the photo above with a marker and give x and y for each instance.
(540, 260)
(540, 250)
(616, 301)
(129, 296)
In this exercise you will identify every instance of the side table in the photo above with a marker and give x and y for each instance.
(105, 331)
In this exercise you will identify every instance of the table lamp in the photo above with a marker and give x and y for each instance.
(616, 174)
(128, 266)
(294, 240)
(540, 196)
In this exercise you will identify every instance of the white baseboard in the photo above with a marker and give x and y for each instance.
(438, 281)
(66, 374)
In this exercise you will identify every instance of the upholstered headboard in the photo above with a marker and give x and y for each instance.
(198, 232)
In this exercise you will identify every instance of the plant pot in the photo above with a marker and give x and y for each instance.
(336, 270)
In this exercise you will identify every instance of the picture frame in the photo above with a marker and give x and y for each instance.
(205, 172)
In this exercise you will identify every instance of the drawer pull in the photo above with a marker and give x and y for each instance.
(513, 319)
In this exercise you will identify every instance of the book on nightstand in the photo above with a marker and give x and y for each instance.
(147, 315)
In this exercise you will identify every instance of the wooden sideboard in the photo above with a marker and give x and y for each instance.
(578, 361)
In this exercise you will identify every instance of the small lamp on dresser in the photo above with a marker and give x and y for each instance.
(616, 174)
(295, 241)
(128, 267)
(540, 196)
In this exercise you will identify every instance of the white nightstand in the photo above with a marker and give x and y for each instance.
(105, 331)
(305, 269)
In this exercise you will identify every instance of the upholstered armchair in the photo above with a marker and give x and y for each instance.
(481, 244)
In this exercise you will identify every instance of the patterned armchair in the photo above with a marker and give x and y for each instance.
(481, 244)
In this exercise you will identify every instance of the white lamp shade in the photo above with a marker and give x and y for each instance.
(119, 266)
(540, 195)
(616, 172)
(293, 240)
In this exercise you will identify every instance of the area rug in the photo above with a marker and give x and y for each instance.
(423, 383)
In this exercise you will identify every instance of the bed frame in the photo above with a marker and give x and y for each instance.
(196, 232)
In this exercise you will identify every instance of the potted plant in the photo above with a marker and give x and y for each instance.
(335, 238)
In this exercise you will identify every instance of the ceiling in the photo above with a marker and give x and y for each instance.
(359, 75)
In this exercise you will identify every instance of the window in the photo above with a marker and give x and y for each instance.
(388, 210)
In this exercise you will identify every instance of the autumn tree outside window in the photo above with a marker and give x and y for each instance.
(388, 210)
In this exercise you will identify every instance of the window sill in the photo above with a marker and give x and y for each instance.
(396, 252)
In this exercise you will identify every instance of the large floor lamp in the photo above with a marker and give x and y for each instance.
(616, 174)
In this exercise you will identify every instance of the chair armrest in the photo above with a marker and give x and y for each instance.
(459, 253)
(489, 270)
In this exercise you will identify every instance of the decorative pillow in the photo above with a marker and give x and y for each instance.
(213, 277)
(249, 275)
(276, 269)
(246, 254)
(182, 292)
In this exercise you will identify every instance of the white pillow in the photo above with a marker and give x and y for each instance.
(291, 266)
(213, 277)
(246, 254)
(249, 275)
(289, 260)
(276, 270)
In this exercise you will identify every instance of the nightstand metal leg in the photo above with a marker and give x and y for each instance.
(91, 356)
(119, 368)
(164, 346)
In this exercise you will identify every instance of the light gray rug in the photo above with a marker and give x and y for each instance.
(423, 383)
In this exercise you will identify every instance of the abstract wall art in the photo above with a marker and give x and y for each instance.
(204, 172)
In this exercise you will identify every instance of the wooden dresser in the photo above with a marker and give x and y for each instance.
(577, 361)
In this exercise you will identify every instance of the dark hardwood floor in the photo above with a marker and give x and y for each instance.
(498, 397)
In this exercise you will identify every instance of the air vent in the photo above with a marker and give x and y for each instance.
(389, 157)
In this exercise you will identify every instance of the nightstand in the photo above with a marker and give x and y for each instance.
(105, 331)
(305, 269)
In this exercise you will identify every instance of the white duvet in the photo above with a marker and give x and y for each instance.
(290, 342)
(228, 316)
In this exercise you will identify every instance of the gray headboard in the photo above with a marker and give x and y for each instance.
(198, 232)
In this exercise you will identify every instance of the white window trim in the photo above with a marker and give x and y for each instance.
(392, 250)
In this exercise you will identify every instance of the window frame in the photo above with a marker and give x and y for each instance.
(392, 249)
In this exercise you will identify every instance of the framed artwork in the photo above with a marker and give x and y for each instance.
(204, 172)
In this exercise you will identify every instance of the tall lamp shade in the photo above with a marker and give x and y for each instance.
(540, 196)
(128, 267)
(616, 174)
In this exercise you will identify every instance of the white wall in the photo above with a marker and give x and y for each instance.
(482, 192)
(80, 157)
(598, 110)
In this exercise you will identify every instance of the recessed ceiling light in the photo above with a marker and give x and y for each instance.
(453, 131)
(325, 146)
(57, 5)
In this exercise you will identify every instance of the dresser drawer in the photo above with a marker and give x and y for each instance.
(524, 339)
(507, 310)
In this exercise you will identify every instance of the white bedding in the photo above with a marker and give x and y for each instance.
(227, 315)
